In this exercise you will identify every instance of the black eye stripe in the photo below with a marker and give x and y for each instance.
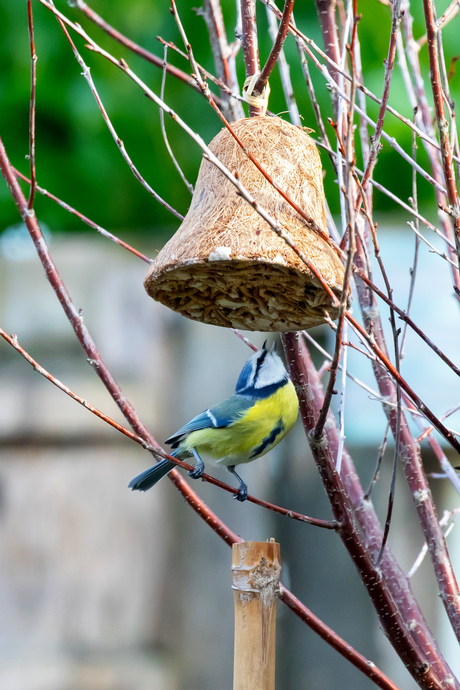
(260, 361)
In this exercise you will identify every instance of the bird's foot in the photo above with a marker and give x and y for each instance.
(242, 495)
(197, 471)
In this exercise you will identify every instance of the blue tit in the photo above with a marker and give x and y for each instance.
(240, 429)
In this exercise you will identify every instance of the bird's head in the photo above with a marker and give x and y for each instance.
(262, 374)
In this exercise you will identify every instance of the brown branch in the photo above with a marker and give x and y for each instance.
(336, 642)
(33, 87)
(390, 616)
(443, 126)
(276, 48)
(415, 476)
(365, 516)
(137, 49)
(86, 220)
(87, 75)
(389, 63)
(410, 455)
(424, 113)
(224, 59)
(250, 44)
(13, 341)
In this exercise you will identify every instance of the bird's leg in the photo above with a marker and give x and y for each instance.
(243, 490)
(199, 468)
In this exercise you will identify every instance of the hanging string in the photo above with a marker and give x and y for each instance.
(260, 101)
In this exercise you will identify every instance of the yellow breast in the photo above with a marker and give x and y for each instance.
(260, 428)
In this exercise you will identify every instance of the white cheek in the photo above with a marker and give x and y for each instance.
(272, 372)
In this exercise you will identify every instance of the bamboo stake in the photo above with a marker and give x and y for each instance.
(256, 570)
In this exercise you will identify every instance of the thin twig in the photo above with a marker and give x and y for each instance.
(413, 270)
(443, 127)
(381, 453)
(276, 48)
(135, 48)
(86, 220)
(448, 519)
(313, 99)
(33, 88)
(235, 97)
(244, 339)
(433, 249)
(429, 429)
(224, 59)
(389, 63)
(163, 128)
(284, 74)
(87, 75)
(250, 44)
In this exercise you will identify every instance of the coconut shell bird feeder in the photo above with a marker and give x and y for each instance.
(225, 265)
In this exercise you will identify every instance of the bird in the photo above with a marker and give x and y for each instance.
(244, 427)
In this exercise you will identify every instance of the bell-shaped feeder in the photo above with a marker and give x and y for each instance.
(225, 265)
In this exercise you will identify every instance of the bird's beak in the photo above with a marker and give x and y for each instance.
(264, 346)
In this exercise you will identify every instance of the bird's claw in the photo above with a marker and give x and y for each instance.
(241, 496)
(195, 472)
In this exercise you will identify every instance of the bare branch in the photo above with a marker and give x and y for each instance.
(224, 58)
(336, 642)
(276, 48)
(86, 220)
(87, 75)
(389, 63)
(443, 127)
(163, 128)
(389, 614)
(135, 48)
(284, 73)
(33, 87)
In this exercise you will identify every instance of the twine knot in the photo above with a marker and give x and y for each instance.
(260, 101)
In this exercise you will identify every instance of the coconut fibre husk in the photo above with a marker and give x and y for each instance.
(225, 265)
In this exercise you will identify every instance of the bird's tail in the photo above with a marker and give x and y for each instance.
(145, 480)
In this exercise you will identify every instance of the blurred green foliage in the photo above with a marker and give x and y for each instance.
(76, 157)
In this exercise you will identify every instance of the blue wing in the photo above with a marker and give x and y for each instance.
(225, 414)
